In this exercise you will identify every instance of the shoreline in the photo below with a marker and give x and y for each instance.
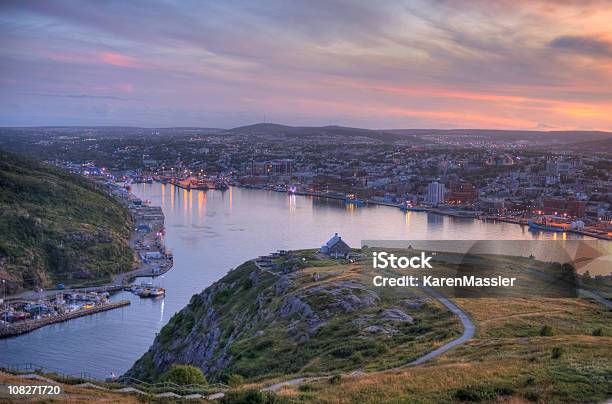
(119, 280)
(27, 326)
(437, 212)
(142, 215)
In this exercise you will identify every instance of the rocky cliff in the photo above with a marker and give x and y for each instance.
(306, 316)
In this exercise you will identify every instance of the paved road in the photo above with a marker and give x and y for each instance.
(468, 329)
(292, 382)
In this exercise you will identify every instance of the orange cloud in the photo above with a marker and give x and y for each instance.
(470, 119)
(117, 59)
(570, 108)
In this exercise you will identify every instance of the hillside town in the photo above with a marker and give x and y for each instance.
(550, 184)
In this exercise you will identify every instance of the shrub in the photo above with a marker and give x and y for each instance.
(556, 352)
(235, 380)
(546, 331)
(184, 375)
(598, 332)
(305, 387)
(482, 393)
(222, 297)
(251, 396)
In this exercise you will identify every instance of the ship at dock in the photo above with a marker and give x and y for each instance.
(196, 183)
(555, 224)
(409, 207)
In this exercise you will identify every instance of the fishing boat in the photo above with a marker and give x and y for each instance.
(144, 292)
(550, 223)
(157, 292)
(353, 200)
(152, 292)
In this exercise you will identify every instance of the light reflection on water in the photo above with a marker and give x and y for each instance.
(209, 233)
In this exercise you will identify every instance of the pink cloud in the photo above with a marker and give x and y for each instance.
(117, 59)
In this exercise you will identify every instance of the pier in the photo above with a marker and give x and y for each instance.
(22, 327)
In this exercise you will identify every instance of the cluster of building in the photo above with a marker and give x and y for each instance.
(42, 308)
(469, 171)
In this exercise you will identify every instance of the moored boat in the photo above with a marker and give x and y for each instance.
(353, 200)
(550, 223)
(152, 292)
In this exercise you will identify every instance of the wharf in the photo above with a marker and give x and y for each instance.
(7, 331)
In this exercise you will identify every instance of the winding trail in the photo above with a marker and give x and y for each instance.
(468, 329)
(468, 332)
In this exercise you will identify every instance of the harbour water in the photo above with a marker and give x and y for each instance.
(210, 232)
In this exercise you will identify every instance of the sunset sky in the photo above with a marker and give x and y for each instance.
(543, 65)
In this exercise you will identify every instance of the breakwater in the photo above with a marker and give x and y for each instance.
(7, 331)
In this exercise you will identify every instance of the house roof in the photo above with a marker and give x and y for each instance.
(333, 241)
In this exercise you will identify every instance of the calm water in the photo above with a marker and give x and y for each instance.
(209, 233)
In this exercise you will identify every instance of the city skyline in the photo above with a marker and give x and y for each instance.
(531, 65)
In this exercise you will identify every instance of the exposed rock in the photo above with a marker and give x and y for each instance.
(411, 304)
(375, 329)
(282, 285)
(294, 306)
(396, 315)
(254, 277)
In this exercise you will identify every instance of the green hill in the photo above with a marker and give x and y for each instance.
(57, 227)
(313, 317)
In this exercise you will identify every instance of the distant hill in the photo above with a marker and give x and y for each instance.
(426, 136)
(57, 227)
(510, 135)
(593, 145)
(320, 131)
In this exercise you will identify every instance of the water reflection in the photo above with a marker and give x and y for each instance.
(435, 219)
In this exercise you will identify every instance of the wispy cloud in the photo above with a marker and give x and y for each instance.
(583, 45)
(79, 96)
(117, 59)
(398, 64)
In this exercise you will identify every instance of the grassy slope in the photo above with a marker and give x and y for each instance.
(267, 349)
(55, 226)
(507, 362)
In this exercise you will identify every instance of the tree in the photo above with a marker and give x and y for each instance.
(184, 375)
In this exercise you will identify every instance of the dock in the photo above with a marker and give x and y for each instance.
(22, 327)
